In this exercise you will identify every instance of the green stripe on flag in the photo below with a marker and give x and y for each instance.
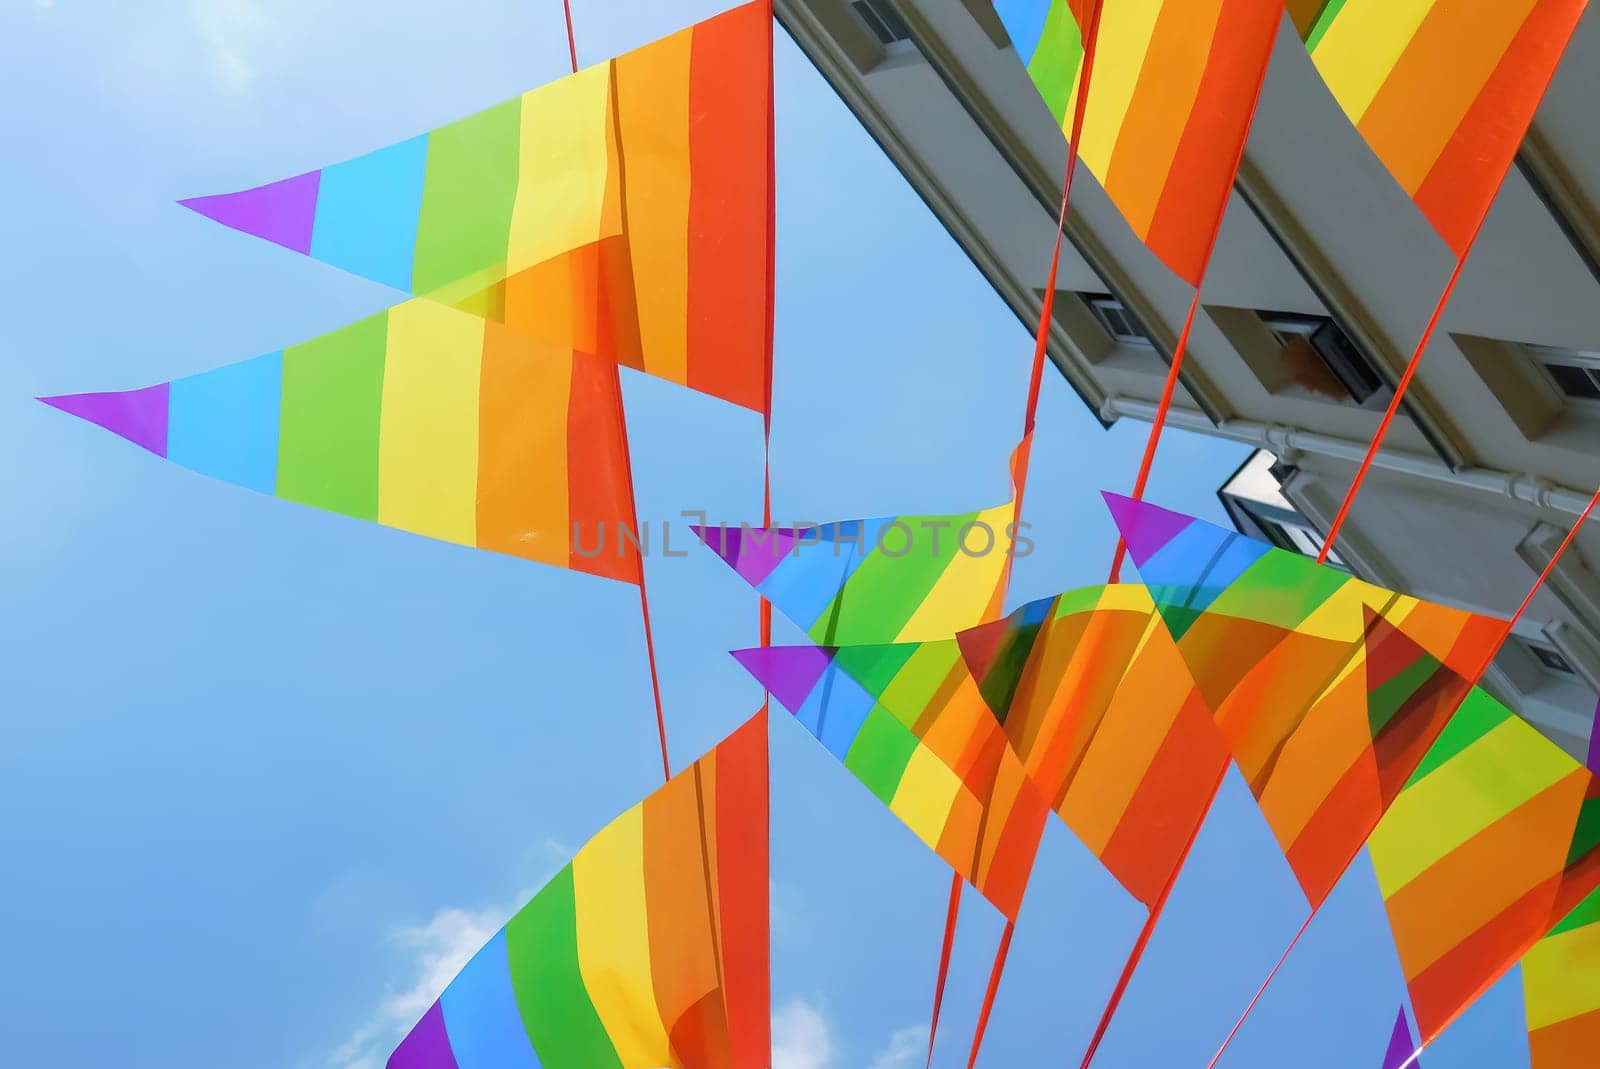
(1478, 715)
(1055, 61)
(1584, 914)
(874, 667)
(880, 753)
(1280, 589)
(876, 602)
(1324, 21)
(1389, 697)
(542, 946)
(328, 421)
(468, 192)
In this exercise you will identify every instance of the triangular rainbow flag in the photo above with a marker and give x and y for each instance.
(624, 210)
(877, 581)
(422, 418)
(648, 951)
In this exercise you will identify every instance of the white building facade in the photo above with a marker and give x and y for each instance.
(1323, 278)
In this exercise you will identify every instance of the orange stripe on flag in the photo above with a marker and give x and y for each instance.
(729, 70)
(1163, 101)
(1201, 176)
(523, 470)
(1438, 76)
(684, 966)
(1459, 189)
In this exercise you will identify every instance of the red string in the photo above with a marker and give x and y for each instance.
(1477, 676)
(1137, 953)
(1262, 990)
(1170, 387)
(627, 472)
(1160, 422)
(572, 41)
(1041, 348)
(995, 972)
(1394, 406)
(1041, 340)
(952, 917)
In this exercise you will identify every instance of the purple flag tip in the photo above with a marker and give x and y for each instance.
(281, 212)
(723, 541)
(1402, 1048)
(789, 673)
(140, 416)
(1144, 527)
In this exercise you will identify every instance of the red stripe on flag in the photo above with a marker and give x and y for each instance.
(1463, 181)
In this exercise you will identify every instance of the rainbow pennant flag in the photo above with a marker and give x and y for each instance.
(1326, 691)
(1097, 703)
(1077, 703)
(1169, 110)
(880, 581)
(908, 721)
(1442, 91)
(1490, 844)
(623, 211)
(648, 951)
(422, 418)
(1561, 990)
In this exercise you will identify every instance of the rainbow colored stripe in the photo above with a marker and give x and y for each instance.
(1174, 90)
(644, 183)
(1078, 703)
(909, 722)
(1561, 991)
(1442, 91)
(879, 581)
(1327, 691)
(648, 951)
(1491, 842)
(421, 418)
(1096, 701)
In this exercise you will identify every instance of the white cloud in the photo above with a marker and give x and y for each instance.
(907, 1047)
(800, 1038)
(438, 951)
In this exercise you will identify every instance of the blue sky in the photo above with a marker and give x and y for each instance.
(268, 775)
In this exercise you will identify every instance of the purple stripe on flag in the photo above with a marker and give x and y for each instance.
(790, 673)
(426, 1046)
(1401, 1045)
(1146, 528)
(140, 416)
(754, 557)
(282, 212)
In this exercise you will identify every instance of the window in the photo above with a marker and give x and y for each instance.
(883, 20)
(1548, 657)
(1576, 374)
(1323, 359)
(1118, 321)
(1298, 539)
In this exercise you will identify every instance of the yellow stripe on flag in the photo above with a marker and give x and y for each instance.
(1561, 976)
(1126, 27)
(428, 438)
(968, 582)
(1361, 47)
(923, 798)
(561, 186)
(1475, 788)
(614, 940)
